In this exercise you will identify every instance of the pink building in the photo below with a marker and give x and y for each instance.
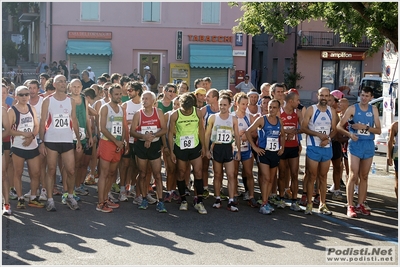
(178, 41)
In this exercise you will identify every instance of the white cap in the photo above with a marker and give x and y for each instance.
(89, 68)
(147, 68)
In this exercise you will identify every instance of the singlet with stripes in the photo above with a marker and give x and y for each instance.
(243, 124)
(321, 121)
(114, 122)
(24, 122)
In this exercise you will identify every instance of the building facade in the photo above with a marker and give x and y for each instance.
(178, 41)
(321, 60)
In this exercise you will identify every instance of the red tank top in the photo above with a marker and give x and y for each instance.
(150, 124)
(290, 121)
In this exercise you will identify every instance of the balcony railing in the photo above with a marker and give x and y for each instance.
(315, 39)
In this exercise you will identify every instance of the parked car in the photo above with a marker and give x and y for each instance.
(382, 139)
(371, 81)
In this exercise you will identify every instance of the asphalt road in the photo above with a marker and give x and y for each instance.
(130, 236)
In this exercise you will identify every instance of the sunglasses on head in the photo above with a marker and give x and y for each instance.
(21, 95)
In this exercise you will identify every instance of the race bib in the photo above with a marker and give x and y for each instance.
(116, 128)
(289, 128)
(149, 129)
(187, 142)
(323, 129)
(244, 146)
(224, 136)
(272, 144)
(61, 121)
(27, 127)
(363, 132)
(82, 134)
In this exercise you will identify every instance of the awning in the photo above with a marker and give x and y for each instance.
(100, 48)
(210, 56)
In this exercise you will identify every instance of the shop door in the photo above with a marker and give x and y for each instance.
(153, 61)
(343, 75)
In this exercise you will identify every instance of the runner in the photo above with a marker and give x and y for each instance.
(58, 117)
(222, 128)
(393, 154)
(4, 179)
(364, 125)
(186, 123)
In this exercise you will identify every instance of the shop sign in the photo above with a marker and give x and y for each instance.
(210, 38)
(239, 53)
(89, 35)
(179, 48)
(342, 55)
(239, 39)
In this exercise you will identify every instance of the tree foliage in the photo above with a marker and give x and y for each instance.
(351, 20)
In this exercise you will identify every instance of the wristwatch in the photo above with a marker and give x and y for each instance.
(367, 128)
(40, 141)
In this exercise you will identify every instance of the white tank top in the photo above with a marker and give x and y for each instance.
(258, 111)
(222, 132)
(24, 123)
(38, 109)
(243, 124)
(319, 122)
(59, 124)
(114, 123)
(131, 109)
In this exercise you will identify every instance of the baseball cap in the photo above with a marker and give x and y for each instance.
(147, 68)
(293, 90)
(201, 91)
(89, 68)
(338, 94)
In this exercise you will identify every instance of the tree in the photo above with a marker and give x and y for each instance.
(351, 20)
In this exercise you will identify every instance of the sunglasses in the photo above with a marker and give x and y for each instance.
(21, 95)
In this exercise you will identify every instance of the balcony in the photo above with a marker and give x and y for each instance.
(322, 40)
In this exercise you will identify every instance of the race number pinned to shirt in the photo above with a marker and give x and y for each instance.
(272, 144)
(149, 129)
(61, 121)
(116, 128)
(224, 136)
(27, 127)
(323, 129)
(82, 134)
(187, 142)
(363, 132)
(286, 135)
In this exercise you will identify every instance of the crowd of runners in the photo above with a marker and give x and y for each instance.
(124, 133)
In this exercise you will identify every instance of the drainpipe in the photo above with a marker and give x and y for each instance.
(51, 32)
(295, 52)
(247, 53)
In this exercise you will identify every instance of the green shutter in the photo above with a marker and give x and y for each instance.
(211, 12)
(155, 11)
(90, 11)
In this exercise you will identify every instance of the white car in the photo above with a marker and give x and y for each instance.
(382, 139)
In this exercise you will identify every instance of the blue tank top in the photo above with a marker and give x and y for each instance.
(209, 112)
(364, 117)
(268, 136)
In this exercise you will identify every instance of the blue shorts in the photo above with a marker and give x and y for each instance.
(319, 154)
(362, 149)
(244, 155)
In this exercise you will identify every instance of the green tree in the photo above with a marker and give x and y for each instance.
(351, 20)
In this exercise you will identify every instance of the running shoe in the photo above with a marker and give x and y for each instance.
(332, 189)
(112, 198)
(81, 191)
(56, 192)
(206, 193)
(43, 195)
(35, 203)
(246, 196)
(150, 199)
(72, 203)
(217, 204)
(168, 197)
(6, 209)
(260, 202)
(273, 199)
(50, 206)
(223, 196)
(317, 200)
(361, 209)
(103, 207)
(64, 199)
(131, 193)
(111, 204)
(270, 207)
(89, 180)
(21, 203)
(253, 203)
(175, 196)
(288, 194)
(264, 209)
(324, 210)
(351, 213)
(337, 195)
(161, 207)
(144, 205)
(13, 193)
(366, 206)
(303, 200)
(122, 197)
(200, 208)
(27, 195)
(281, 204)
(295, 206)
(137, 200)
(308, 209)
(232, 207)
(187, 192)
(183, 206)
(115, 188)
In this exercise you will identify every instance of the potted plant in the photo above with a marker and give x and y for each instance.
(10, 53)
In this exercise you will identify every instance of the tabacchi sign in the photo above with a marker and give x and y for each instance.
(342, 55)
(210, 38)
(89, 35)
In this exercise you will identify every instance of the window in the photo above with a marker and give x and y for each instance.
(210, 13)
(151, 11)
(274, 70)
(287, 66)
(90, 11)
